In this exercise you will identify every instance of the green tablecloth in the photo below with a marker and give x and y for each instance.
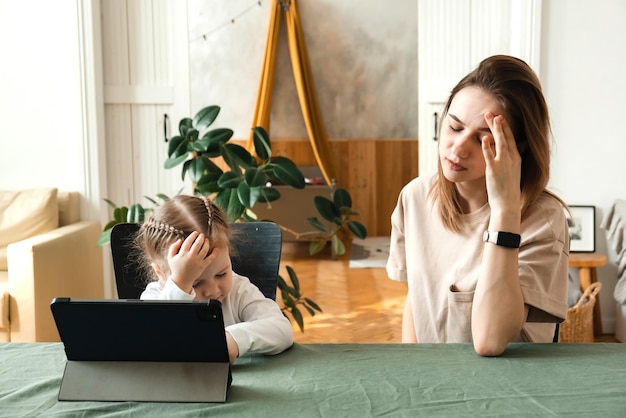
(359, 381)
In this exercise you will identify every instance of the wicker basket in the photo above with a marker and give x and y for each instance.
(578, 325)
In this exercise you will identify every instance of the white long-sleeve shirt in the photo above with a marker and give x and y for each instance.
(255, 322)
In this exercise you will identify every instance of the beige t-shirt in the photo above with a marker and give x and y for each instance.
(442, 267)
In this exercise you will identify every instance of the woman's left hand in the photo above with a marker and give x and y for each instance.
(503, 165)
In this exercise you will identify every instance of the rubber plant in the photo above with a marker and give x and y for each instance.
(245, 181)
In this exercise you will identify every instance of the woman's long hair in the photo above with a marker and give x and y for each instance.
(516, 87)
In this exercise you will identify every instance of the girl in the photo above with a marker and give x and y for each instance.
(186, 246)
(482, 244)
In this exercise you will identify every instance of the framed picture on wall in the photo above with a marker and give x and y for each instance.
(582, 229)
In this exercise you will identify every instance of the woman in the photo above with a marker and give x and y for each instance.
(483, 244)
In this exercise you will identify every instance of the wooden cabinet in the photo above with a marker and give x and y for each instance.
(373, 171)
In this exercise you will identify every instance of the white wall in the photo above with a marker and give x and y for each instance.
(45, 132)
(583, 72)
(39, 111)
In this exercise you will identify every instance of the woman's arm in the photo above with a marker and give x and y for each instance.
(498, 310)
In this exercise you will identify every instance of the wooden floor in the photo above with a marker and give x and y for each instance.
(360, 305)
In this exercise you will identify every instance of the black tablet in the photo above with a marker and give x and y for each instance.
(134, 350)
(138, 330)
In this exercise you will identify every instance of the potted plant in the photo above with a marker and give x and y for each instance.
(246, 181)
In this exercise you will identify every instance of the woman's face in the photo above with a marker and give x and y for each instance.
(460, 151)
(216, 280)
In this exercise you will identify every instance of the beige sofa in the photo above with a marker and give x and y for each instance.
(45, 252)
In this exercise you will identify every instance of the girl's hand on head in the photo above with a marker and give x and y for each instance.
(188, 259)
(503, 165)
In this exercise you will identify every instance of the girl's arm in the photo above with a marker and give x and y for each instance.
(259, 325)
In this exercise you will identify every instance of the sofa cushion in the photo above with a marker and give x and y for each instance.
(69, 207)
(24, 214)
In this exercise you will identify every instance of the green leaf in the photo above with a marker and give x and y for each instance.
(205, 117)
(173, 162)
(249, 216)
(177, 151)
(254, 177)
(229, 202)
(286, 171)
(262, 144)
(212, 140)
(288, 300)
(237, 156)
(337, 245)
(282, 284)
(341, 198)
(209, 165)
(183, 126)
(314, 222)
(293, 293)
(208, 184)
(164, 197)
(206, 180)
(229, 180)
(196, 169)
(110, 224)
(297, 316)
(327, 209)
(293, 277)
(120, 214)
(136, 213)
(192, 136)
(185, 169)
(110, 203)
(317, 246)
(313, 304)
(173, 146)
(104, 238)
(269, 194)
(358, 229)
(248, 196)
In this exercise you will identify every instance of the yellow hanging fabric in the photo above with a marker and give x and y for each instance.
(304, 85)
(264, 96)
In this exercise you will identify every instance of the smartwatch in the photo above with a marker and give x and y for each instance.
(503, 239)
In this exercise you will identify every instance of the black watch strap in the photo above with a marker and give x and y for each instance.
(503, 239)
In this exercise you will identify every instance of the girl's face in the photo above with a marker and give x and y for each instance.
(216, 280)
(460, 151)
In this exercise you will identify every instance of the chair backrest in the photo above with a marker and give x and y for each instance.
(256, 251)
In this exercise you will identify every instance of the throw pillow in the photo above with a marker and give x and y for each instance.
(24, 214)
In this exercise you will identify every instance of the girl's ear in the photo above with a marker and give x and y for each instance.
(162, 275)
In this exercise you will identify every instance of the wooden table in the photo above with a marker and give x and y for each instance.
(587, 264)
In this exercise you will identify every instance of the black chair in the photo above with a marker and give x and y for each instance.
(256, 246)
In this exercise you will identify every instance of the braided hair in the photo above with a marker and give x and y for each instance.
(176, 219)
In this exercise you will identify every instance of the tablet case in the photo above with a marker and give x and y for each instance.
(134, 350)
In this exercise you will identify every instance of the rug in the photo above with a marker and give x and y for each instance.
(369, 252)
